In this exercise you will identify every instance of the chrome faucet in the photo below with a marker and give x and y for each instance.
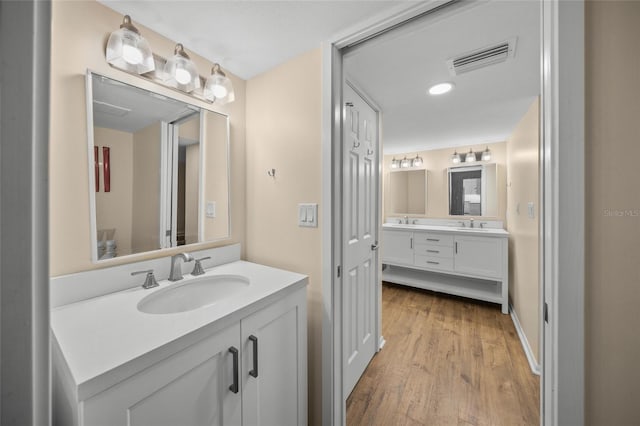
(471, 223)
(176, 269)
(406, 220)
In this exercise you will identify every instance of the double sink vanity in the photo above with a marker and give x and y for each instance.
(446, 257)
(227, 346)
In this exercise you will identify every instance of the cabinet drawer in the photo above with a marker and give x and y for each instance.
(431, 262)
(433, 239)
(433, 250)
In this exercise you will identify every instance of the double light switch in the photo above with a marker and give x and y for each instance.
(308, 215)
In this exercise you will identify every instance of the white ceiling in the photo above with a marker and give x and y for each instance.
(249, 37)
(396, 70)
(126, 108)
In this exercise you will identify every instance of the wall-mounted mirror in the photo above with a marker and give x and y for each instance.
(407, 192)
(473, 190)
(158, 170)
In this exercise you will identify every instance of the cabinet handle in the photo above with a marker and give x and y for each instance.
(411, 242)
(432, 239)
(234, 386)
(433, 263)
(456, 247)
(433, 251)
(254, 372)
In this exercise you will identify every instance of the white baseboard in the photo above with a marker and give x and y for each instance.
(535, 367)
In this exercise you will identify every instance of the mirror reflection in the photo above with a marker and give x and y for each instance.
(158, 170)
(473, 190)
(407, 191)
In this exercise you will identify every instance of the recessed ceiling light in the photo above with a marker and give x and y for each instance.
(441, 88)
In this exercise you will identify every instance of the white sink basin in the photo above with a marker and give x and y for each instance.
(193, 294)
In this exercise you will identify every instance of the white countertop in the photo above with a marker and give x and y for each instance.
(458, 230)
(108, 334)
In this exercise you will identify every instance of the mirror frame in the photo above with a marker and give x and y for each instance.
(483, 186)
(202, 174)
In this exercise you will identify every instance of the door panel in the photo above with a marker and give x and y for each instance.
(360, 184)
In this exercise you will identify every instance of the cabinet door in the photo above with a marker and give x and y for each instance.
(479, 256)
(397, 247)
(190, 388)
(274, 364)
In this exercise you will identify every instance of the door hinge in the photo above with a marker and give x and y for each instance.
(167, 233)
(339, 271)
(545, 312)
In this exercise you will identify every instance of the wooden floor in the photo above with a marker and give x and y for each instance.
(447, 361)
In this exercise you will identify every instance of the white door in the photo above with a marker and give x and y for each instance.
(360, 228)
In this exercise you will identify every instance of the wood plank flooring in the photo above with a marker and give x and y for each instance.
(447, 361)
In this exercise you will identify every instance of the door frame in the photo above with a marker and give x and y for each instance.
(562, 218)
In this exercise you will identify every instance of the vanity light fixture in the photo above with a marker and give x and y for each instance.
(455, 158)
(470, 157)
(181, 72)
(441, 88)
(219, 87)
(128, 50)
(395, 163)
(417, 162)
(405, 163)
(486, 155)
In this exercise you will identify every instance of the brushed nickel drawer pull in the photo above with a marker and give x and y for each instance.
(432, 239)
(433, 251)
(433, 263)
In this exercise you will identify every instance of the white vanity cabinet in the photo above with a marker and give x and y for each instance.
(397, 247)
(468, 263)
(188, 388)
(246, 367)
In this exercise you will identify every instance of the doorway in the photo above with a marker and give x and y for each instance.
(558, 216)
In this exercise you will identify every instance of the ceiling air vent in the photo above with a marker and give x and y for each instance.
(482, 57)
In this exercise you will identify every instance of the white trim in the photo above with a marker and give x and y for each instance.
(563, 145)
(533, 364)
(93, 237)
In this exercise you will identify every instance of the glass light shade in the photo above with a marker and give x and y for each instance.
(218, 87)
(394, 163)
(128, 50)
(417, 162)
(486, 155)
(405, 163)
(470, 157)
(181, 72)
(455, 158)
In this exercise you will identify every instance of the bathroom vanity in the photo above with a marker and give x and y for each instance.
(240, 360)
(463, 261)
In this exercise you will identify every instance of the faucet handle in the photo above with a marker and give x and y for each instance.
(150, 280)
(197, 268)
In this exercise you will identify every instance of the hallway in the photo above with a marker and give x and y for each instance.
(447, 360)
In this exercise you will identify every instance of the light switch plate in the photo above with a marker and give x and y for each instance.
(210, 210)
(308, 215)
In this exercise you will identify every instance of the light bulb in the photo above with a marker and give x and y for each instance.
(219, 91)
(441, 88)
(470, 158)
(131, 54)
(486, 155)
(394, 163)
(455, 158)
(183, 76)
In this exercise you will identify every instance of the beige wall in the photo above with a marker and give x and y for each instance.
(146, 189)
(192, 193)
(522, 188)
(79, 33)
(113, 209)
(612, 271)
(284, 133)
(437, 162)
